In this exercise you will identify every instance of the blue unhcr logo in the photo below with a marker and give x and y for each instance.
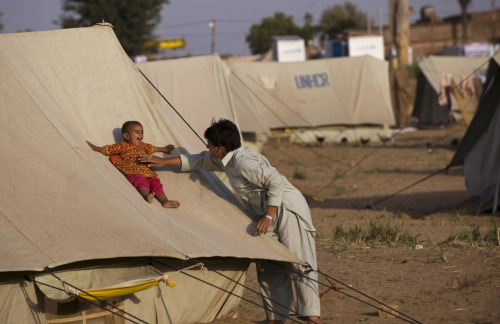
(316, 80)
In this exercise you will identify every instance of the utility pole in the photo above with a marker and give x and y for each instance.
(463, 5)
(401, 29)
(380, 22)
(493, 19)
(368, 23)
(211, 24)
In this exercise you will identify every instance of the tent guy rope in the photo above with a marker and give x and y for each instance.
(227, 291)
(151, 83)
(101, 303)
(332, 286)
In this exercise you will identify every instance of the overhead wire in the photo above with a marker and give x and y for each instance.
(222, 37)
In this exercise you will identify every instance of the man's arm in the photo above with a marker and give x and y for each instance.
(153, 161)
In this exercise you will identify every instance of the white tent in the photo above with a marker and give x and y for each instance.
(431, 105)
(479, 150)
(317, 94)
(65, 207)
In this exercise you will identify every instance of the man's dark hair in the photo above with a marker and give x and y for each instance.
(223, 133)
(126, 125)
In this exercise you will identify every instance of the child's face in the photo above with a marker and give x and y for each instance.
(134, 135)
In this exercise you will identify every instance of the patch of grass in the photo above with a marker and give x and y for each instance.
(493, 235)
(339, 173)
(390, 234)
(299, 174)
(465, 235)
(377, 233)
(341, 190)
(350, 235)
(472, 236)
(437, 248)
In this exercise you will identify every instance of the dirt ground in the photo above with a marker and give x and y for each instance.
(463, 289)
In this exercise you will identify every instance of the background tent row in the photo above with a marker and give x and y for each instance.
(330, 98)
(67, 208)
(479, 150)
(333, 98)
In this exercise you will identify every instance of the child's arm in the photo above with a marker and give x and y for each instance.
(167, 149)
(99, 149)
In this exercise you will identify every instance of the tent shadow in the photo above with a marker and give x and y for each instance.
(450, 172)
(416, 205)
(252, 229)
(117, 134)
(196, 176)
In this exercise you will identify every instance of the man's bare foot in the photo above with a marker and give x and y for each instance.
(171, 204)
(150, 198)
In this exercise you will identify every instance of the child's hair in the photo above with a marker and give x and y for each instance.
(224, 133)
(126, 125)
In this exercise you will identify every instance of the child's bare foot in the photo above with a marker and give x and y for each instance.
(171, 204)
(150, 198)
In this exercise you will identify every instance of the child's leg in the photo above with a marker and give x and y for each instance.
(140, 182)
(157, 188)
(149, 196)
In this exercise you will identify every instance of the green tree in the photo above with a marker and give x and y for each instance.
(260, 37)
(134, 20)
(309, 30)
(337, 18)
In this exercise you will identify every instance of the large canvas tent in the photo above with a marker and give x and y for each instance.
(479, 150)
(345, 93)
(68, 211)
(435, 102)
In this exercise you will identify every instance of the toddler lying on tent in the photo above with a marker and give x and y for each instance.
(124, 155)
